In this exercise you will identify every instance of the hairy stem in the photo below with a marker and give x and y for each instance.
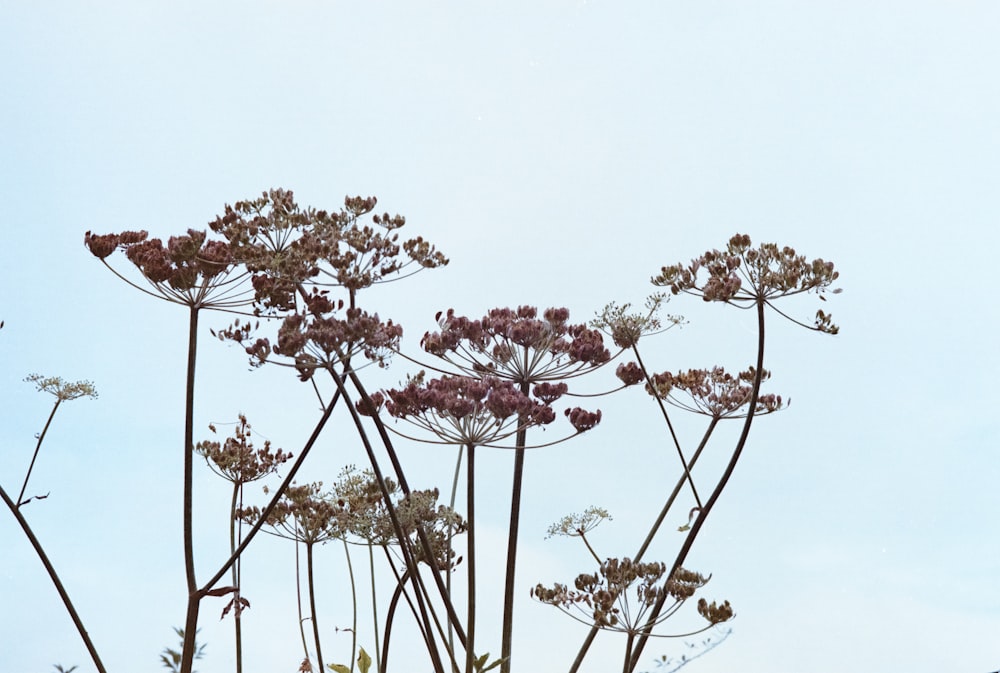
(56, 582)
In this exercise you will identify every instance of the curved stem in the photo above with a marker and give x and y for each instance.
(585, 646)
(38, 445)
(354, 603)
(720, 486)
(298, 599)
(312, 602)
(12, 506)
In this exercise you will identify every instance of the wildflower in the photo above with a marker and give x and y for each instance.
(742, 274)
(713, 392)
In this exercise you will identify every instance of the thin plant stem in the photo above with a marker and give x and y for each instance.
(237, 629)
(38, 446)
(401, 478)
(451, 504)
(594, 630)
(628, 649)
(425, 609)
(654, 529)
(670, 426)
(56, 582)
(298, 596)
(245, 542)
(194, 596)
(312, 602)
(354, 603)
(515, 515)
(470, 625)
(371, 574)
(714, 497)
(586, 542)
(404, 487)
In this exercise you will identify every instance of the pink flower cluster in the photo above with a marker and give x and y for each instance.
(464, 410)
(182, 264)
(517, 344)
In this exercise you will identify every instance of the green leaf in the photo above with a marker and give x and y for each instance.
(364, 661)
(481, 661)
(338, 668)
(494, 664)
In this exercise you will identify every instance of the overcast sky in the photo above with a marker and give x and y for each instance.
(559, 152)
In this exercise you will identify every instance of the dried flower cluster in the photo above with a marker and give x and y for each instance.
(189, 269)
(578, 525)
(465, 410)
(745, 274)
(304, 513)
(236, 460)
(63, 390)
(625, 328)
(517, 345)
(604, 596)
(285, 247)
(713, 392)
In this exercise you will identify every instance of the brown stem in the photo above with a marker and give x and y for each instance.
(507, 632)
(470, 626)
(710, 503)
(649, 536)
(38, 445)
(194, 596)
(277, 495)
(55, 579)
(312, 602)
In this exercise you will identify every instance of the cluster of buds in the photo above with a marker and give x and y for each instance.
(236, 460)
(713, 392)
(745, 274)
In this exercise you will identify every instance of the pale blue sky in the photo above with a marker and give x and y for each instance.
(560, 152)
